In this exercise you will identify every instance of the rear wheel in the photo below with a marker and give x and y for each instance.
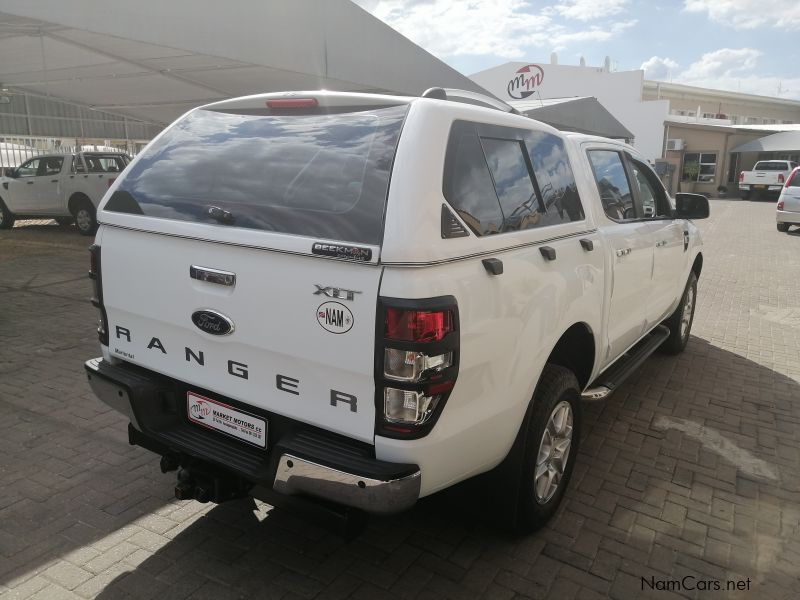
(783, 227)
(6, 217)
(85, 219)
(745, 195)
(680, 322)
(550, 448)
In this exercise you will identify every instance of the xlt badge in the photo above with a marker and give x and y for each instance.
(212, 322)
(335, 292)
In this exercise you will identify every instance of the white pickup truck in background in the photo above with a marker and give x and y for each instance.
(66, 187)
(766, 176)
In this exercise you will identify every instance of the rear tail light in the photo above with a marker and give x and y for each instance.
(417, 364)
(792, 175)
(741, 177)
(111, 180)
(780, 178)
(97, 298)
(780, 204)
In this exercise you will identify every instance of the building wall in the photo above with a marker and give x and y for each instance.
(619, 92)
(741, 109)
(719, 141)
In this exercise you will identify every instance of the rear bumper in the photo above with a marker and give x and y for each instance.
(785, 216)
(299, 459)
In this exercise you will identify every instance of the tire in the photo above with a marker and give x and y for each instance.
(65, 221)
(745, 195)
(783, 227)
(547, 466)
(6, 217)
(679, 323)
(85, 217)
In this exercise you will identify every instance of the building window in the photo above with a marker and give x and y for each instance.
(734, 119)
(769, 121)
(709, 115)
(699, 166)
(786, 122)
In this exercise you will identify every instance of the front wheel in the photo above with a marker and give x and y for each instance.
(680, 322)
(745, 195)
(85, 219)
(783, 227)
(550, 448)
(6, 217)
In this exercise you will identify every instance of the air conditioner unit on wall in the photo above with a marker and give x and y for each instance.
(675, 144)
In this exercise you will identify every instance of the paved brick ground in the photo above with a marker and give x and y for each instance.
(690, 469)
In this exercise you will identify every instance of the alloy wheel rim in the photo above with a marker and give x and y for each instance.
(553, 455)
(688, 309)
(83, 219)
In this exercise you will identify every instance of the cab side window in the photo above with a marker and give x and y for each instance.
(52, 166)
(77, 165)
(467, 182)
(503, 179)
(612, 184)
(651, 193)
(29, 169)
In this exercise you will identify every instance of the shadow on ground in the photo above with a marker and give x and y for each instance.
(646, 501)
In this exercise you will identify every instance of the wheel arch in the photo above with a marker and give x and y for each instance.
(76, 200)
(575, 350)
(697, 266)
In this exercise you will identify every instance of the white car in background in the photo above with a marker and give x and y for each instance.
(788, 212)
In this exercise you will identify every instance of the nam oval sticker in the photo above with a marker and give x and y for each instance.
(334, 317)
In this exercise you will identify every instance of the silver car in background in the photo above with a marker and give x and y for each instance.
(788, 209)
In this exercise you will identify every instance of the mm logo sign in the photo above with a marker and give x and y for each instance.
(525, 81)
(334, 317)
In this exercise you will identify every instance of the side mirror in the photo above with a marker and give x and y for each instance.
(691, 206)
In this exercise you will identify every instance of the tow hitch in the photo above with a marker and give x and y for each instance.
(204, 483)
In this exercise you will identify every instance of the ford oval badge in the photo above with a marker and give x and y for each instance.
(212, 322)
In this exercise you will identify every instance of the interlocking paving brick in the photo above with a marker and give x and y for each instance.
(85, 515)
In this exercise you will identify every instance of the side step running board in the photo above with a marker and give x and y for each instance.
(610, 379)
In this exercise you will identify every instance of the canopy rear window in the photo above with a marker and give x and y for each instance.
(303, 173)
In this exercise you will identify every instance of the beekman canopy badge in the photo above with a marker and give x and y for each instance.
(335, 317)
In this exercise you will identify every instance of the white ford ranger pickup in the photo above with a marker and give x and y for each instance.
(365, 299)
(64, 187)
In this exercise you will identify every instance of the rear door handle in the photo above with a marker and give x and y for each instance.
(661, 243)
(493, 266)
(54, 181)
(29, 182)
(588, 245)
(623, 251)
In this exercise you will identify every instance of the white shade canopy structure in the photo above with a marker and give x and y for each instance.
(786, 141)
(152, 60)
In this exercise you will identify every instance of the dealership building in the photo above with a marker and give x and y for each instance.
(670, 124)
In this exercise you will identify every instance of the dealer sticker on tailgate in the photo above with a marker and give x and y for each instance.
(216, 415)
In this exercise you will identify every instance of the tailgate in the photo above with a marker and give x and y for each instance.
(293, 349)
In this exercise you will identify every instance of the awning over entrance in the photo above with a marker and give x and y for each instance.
(786, 141)
(581, 114)
(152, 60)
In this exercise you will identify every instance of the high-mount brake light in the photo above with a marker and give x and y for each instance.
(292, 103)
(95, 275)
(416, 364)
(417, 325)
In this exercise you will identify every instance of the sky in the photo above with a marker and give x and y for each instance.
(736, 45)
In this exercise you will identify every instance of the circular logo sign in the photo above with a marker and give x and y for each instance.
(212, 322)
(335, 317)
(525, 81)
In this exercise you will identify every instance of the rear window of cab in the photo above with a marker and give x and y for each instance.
(322, 175)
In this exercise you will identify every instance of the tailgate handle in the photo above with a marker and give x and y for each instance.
(212, 275)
